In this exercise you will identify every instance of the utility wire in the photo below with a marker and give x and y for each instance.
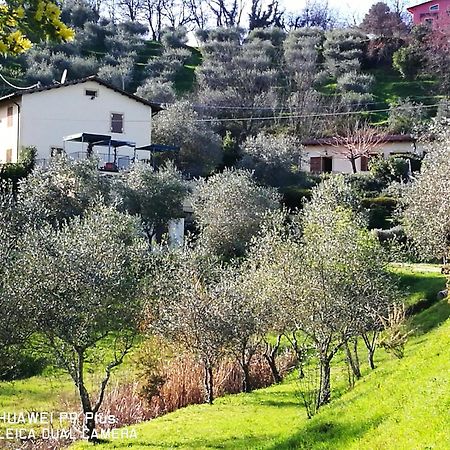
(18, 87)
(304, 116)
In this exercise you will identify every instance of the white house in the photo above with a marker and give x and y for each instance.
(324, 155)
(43, 116)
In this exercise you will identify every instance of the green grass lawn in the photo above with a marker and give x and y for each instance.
(419, 281)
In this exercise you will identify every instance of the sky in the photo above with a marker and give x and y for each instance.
(346, 8)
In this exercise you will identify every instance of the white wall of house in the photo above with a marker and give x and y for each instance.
(176, 233)
(340, 164)
(48, 116)
(9, 132)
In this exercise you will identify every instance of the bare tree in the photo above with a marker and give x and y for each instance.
(316, 13)
(359, 141)
(262, 16)
(130, 9)
(227, 13)
(198, 13)
(153, 12)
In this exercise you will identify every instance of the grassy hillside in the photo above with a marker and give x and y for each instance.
(403, 404)
(385, 403)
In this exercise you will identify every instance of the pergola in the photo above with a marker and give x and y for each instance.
(102, 140)
(156, 148)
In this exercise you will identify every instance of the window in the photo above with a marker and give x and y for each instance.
(116, 123)
(364, 163)
(434, 8)
(9, 155)
(9, 115)
(320, 164)
(429, 22)
(91, 93)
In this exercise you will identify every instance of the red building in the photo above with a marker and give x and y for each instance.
(435, 13)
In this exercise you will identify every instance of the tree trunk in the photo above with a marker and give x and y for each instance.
(270, 355)
(353, 161)
(353, 359)
(246, 383)
(209, 394)
(325, 382)
(371, 347)
(89, 416)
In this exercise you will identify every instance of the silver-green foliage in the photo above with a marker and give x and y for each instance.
(272, 156)
(200, 147)
(327, 274)
(156, 196)
(229, 208)
(427, 202)
(64, 190)
(80, 284)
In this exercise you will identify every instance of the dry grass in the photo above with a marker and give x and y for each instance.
(180, 384)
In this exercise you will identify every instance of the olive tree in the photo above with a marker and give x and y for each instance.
(328, 274)
(248, 317)
(229, 208)
(81, 285)
(64, 190)
(185, 306)
(14, 324)
(275, 159)
(426, 203)
(156, 196)
(200, 147)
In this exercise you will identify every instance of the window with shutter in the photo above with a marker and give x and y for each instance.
(315, 164)
(9, 155)
(116, 123)
(364, 163)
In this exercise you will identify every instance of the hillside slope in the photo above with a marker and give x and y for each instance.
(403, 404)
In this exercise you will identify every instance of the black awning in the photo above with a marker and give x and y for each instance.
(90, 138)
(115, 143)
(159, 148)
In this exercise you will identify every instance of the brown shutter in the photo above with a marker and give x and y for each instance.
(116, 123)
(315, 164)
(9, 155)
(364, 163)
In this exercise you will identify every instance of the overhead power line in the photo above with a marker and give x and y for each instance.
(19, 88)
(305, 116)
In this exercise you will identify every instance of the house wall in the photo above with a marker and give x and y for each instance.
(342, 165)
(48, 116)
(8, 133)
(440, 18)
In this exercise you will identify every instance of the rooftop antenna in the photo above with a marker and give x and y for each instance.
(64, 76)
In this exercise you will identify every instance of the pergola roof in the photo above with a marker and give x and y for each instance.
(158, 148)
(90, 138)
(103, 140)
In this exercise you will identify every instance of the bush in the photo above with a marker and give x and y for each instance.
(295, 196)
(380, 211)
(16, 364)
(389, 170)
(355, 82)
(408, 61)
(12, 173)
(365, 183)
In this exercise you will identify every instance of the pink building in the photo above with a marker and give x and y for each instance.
(435, 13)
